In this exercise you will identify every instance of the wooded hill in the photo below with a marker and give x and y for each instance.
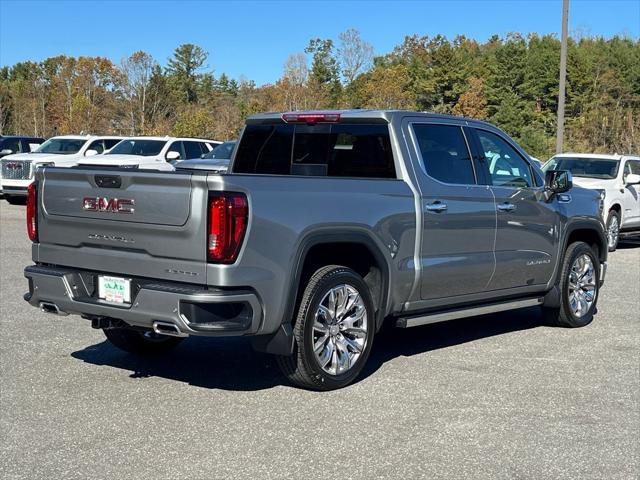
(511, 82)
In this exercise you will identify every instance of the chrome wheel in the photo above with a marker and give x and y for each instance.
(340, 329)
(582, 285)
(613, 231)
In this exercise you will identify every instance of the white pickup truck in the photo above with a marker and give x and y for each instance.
(62, 151)
(152, 153)
(617, 178)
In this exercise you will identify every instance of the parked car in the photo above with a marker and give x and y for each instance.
(156, 153)
(617, 178)
(328, 224)
(16, 144)
(217, 160)
(65, 151)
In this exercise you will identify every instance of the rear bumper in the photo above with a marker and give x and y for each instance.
(16, 186)
(13, 190)
(193, 310)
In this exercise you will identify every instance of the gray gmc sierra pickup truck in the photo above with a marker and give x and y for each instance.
(328, 224)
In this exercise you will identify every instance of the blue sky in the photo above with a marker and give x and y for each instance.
(254, 38)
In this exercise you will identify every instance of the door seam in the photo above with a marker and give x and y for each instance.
(495, 237)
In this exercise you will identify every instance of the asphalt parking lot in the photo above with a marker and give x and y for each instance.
(498, 396)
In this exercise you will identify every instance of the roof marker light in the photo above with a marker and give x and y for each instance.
(311, 117)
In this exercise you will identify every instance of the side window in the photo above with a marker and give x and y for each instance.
(177, 147)
(506, 167)
(192, 150)
(109, 143)
(445, 153)
(635, 166)
(12, 144)
(98, 146)
(30, 145)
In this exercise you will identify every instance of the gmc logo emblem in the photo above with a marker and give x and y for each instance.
(113, 205)
(13, 165)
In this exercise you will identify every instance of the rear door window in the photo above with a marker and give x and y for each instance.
(111, 142)
(444, 152)
(192, 150)
(335, 150)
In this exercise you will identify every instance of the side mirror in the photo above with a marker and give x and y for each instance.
(557, 181)
(5, 151)
(173, 155)
(632, 179)
(90, 153)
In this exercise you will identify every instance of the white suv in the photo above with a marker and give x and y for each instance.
(63, 151)
(153, 153)
(617, 177)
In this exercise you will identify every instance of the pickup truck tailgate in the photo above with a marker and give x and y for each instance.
(149, 224)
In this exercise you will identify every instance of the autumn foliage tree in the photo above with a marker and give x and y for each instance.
(511, 81)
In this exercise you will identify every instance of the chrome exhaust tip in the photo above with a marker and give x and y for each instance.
(167, 328)
(48, 307)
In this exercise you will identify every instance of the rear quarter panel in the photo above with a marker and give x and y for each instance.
(286, 211)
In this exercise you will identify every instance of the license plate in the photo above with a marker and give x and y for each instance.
(114, 289)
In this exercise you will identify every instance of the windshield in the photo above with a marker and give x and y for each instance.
(61, 146)
(145, 148)
(585, 167)
(221, 152)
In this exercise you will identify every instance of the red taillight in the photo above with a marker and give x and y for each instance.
(32, 212)
(311, 117)
(228, 215)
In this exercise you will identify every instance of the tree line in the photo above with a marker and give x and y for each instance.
(511, 82)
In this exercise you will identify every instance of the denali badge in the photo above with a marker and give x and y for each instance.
(103, 204)
(113, 238)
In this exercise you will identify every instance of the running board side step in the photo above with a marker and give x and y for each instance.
(435, 317)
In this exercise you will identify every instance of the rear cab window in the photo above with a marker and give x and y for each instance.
(444, 153)
(323, 149)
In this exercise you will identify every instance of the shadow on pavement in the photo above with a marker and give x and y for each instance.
(629, 243)
(231, 364)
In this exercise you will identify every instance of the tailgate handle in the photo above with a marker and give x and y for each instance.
(108, 181)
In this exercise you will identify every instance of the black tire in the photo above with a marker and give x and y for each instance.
(612, 240)
(564, 316)
(140, 342)
(15, 199)
(302, 368)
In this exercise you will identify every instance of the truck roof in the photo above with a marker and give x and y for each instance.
(596, 156)
(144, 137)
(364, 114)
(87, 137)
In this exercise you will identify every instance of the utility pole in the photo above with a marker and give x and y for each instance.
(563, 76)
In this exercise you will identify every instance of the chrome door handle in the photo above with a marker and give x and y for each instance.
(436, 207)
(506, 207)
